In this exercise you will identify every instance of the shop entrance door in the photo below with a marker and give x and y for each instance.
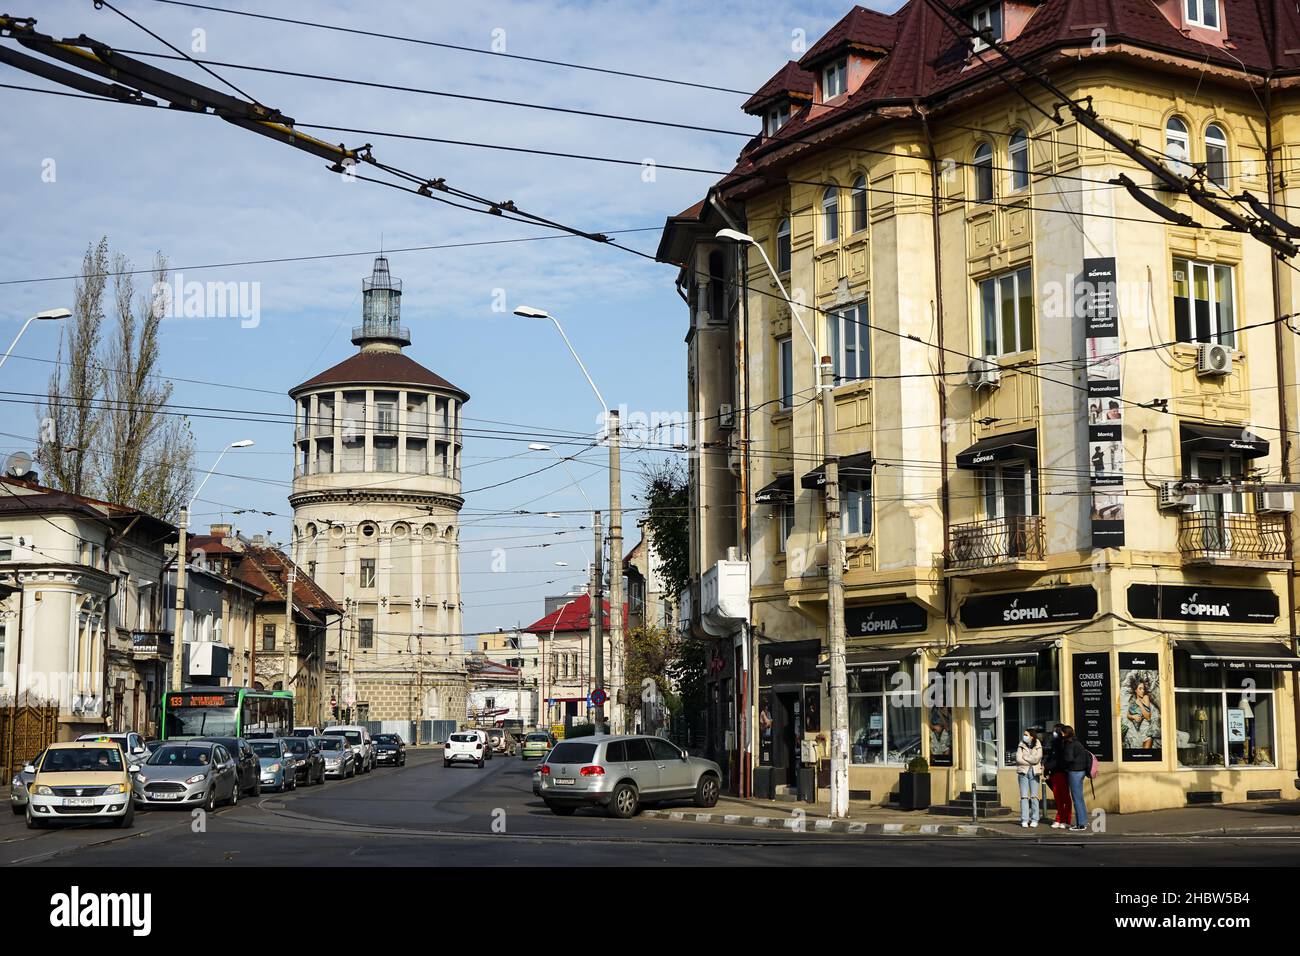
(786, 727)
(986, 750)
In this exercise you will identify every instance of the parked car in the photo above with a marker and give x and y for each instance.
(391, 749)
(250, 770)
(81, 781)
(310, 764)
(339, 759)
(621, 773)
(537, 781)
(279, 767)
(502, 741)
(358, 739)
(188, 773)
(132, 744)
(152, 745)
(305, 732)
(20, 782)
(465, 746)
(536, 745)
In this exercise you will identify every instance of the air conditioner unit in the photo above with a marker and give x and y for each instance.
(980, 372)
(1274, 502)
(1213, 359)
(726, 416)
(1173, 498)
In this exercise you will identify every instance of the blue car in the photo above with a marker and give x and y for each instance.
(279, 767)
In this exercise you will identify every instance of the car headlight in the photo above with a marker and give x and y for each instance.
(274, 768)
(115, 788)
(44, 791)
(197, 778)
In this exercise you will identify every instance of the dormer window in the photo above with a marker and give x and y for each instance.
(1202, 13)
(775, 118)
(989, 19)
(834, 79)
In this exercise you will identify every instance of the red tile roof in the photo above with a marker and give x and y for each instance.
(267, 569)
(572, 617)
(860, 29)
(379, 368)
(790, 82)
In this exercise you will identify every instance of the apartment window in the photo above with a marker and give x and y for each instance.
(850, 343)
(367, 572)
(1222, 718)
(776, 117)
(324, 415)
(354, 453)
(1214, 531)
(884, 725)
(417, 455)
(385, 454)
(365, 632)
(982, 170)
(988, 19)
(1018, 153)
(386, 413)
(1009, 490)
(1178, 145)
(1204, 307)
(6, 554)
(1202, 13)
(268, 637)
(324, 455)
(785, 371)
(858, 204)
(855, 507)
(783, 246)
(834, 79)
(440, 458)
(1216, 155)
(831, 214)
(784, 524)
(1007, 313)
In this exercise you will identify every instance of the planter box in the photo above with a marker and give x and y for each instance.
(913, 791)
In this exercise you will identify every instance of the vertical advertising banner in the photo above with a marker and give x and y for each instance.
(1095, 292)
(1139, 706)
(1092, 714)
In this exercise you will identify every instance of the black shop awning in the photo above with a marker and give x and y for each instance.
(879, 660)
(1224, 439)
(776, 492)
(1009, 447)
(970, 657)
(1265, 655)
(852, 468)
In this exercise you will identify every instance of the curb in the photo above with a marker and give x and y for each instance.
(806, 824)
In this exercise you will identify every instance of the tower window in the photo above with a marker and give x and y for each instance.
(367, 572)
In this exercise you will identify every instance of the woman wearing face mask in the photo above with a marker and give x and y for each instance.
(1029, 763)
(1058, 779)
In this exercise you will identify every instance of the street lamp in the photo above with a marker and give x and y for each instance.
(615, 522)
(49, 315)
(834, 559)
(178, 638)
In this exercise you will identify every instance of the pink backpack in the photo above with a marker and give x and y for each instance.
(1094, 767)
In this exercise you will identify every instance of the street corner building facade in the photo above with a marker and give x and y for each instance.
(1063, 385)
(376, 500)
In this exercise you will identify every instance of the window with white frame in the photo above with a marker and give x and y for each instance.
(884, 724)
(1204, 302)
(1216, 155)
(1018, 154)
(988, 18)
(850, 343)
(831, 214)
(367, 572)
(1222, 718)
(784, 524)
(834, 79)
(1007, 313)
(783, 246)
(1178, 144)
(785, 371)
(775, 118)
(1215, 467)
(855, 507)
(982, 172)
(1009, 490)
(1202, 13)
(858, 207)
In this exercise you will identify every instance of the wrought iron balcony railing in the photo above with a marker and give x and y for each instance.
(995, 541)
(1215, 536)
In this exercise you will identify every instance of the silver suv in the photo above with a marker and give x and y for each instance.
(622, 773)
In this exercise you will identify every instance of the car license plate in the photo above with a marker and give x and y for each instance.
(563, 781)
(78, 802)
(164, 796)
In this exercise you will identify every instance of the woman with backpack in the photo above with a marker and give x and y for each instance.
(1077, 762)
(1029, 761)
(1057, 778)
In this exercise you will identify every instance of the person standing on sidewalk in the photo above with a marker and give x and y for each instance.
(1057, 778)
(1029, 762)
(1077, 761)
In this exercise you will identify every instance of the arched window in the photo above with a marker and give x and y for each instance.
(1216, 155)
(858, 204)
(1177, 143)
(783, 246)
(831, 214)
(1018, 153)
(983, 169)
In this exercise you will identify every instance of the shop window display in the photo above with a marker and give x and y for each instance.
(884, 725)
(1223, 719)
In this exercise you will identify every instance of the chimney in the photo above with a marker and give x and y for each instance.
(259, 540)
(219, 530)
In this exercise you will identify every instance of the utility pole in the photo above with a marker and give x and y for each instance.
(597, 625)
(178, 638)
(615, 563)
(835, 603)
(352, 667)
(288, 621)
(419, 685)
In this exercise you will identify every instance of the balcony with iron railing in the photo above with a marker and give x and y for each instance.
(1232, 539)
(997, 543)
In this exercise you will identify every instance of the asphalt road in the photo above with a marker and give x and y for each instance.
(427, 815)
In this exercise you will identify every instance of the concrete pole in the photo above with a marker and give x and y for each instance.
(288, 624)
(352, 669)
(835, 604)
(419, 685)
(178, 638)
(597, 624)
(616, 567)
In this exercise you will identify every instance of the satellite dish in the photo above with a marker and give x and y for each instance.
(18, 465)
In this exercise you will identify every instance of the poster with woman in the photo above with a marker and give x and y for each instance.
(940, 736)
(1139, 706)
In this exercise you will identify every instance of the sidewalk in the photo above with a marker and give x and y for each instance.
(1263, 818)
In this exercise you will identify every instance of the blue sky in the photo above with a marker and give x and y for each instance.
(202, 191)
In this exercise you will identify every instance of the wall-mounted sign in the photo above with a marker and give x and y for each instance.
(794, 662)
(901, 618)
(1042, 606)
(1095, 292)
(1091, 677)
(1139, 707)
(1177, 602)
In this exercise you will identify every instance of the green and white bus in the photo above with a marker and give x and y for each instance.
(225, 712)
